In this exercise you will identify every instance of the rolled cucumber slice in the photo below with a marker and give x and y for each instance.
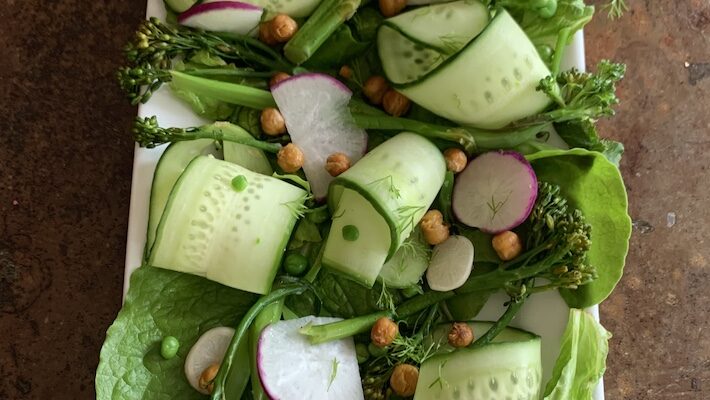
(414, 43)
(489, 83)
(395, 184)
(170, 166)
(227, 223)
(508, 368)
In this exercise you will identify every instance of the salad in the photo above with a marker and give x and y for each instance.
(373, 175)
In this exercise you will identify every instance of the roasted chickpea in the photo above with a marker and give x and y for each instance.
(460, 335)
(265, 34)
(283, 28)
(456, 159)
(390, 8)
(507, 245)
(346, 72)
(337, 163)
(384, 332)
(433, 228)
(207, 378)
(272, 122)
(395, 103)
(404, 380)
(290, 158)
(375, 88)
(278, 77)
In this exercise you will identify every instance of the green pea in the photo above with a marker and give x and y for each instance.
(295, 264)
(376, 351)
(351, 233)
(362, 353)
(169, 347)
(239, 183)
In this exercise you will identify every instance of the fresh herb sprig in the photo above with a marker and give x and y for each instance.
(616, 8)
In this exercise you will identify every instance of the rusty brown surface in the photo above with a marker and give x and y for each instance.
(65, 169)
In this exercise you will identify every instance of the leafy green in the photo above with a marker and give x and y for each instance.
(593, 185)
(340, 47)
(162, 303)
(556, 32)
(465, 307)
(346, 298)
(204, 106)
(613, 151)
(582, 359)
(541, 8)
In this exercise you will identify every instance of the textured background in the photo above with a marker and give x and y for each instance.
(65, 170)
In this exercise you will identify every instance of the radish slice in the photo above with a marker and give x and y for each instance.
(209, 349)
(451, 264)
(292, 368)
(496, 192)
(315, 107)
(223, 16)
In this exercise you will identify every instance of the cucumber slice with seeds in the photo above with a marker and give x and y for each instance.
(234, 234)
(416, 42)
(490, 83)
(508, 368)
(384, 194)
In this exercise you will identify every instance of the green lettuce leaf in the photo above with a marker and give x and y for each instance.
(582, 359)
(162, 303)
(593, 185)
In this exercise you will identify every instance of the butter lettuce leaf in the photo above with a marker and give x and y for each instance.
(582, 359)
(162, 303)
(592, 184)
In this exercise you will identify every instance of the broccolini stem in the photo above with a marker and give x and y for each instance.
(342, 329)
(147, 133)
(502, 323)
(231, 93)
(329, 15)
(473, 140)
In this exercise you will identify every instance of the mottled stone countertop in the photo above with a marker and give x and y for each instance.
(65, 175)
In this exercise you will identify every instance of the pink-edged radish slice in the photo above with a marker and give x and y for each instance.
(290, 367)
(315, 107)
(496, 192)
(223, 16)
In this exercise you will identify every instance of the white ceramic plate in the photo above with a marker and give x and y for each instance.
(544, 313)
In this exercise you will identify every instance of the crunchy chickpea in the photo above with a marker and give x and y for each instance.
(404, 380)
(278, 77)
(508, 245)
(456, 159)
(290, 158)
(375, 88)
(383, 332)
(434, 229)
(346, 72)
(272, 122)
(395, 103)
(207, 377)
(337, 163)
(283, 28)
(265, 34)
(390, 8)
(460, 335)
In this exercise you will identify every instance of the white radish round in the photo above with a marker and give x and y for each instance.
(223, 16)
(208, 350)
(451, 264)
(496, 192)
(315, 107)
(290, 367)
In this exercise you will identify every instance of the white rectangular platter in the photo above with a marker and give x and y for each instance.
(545, 313)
